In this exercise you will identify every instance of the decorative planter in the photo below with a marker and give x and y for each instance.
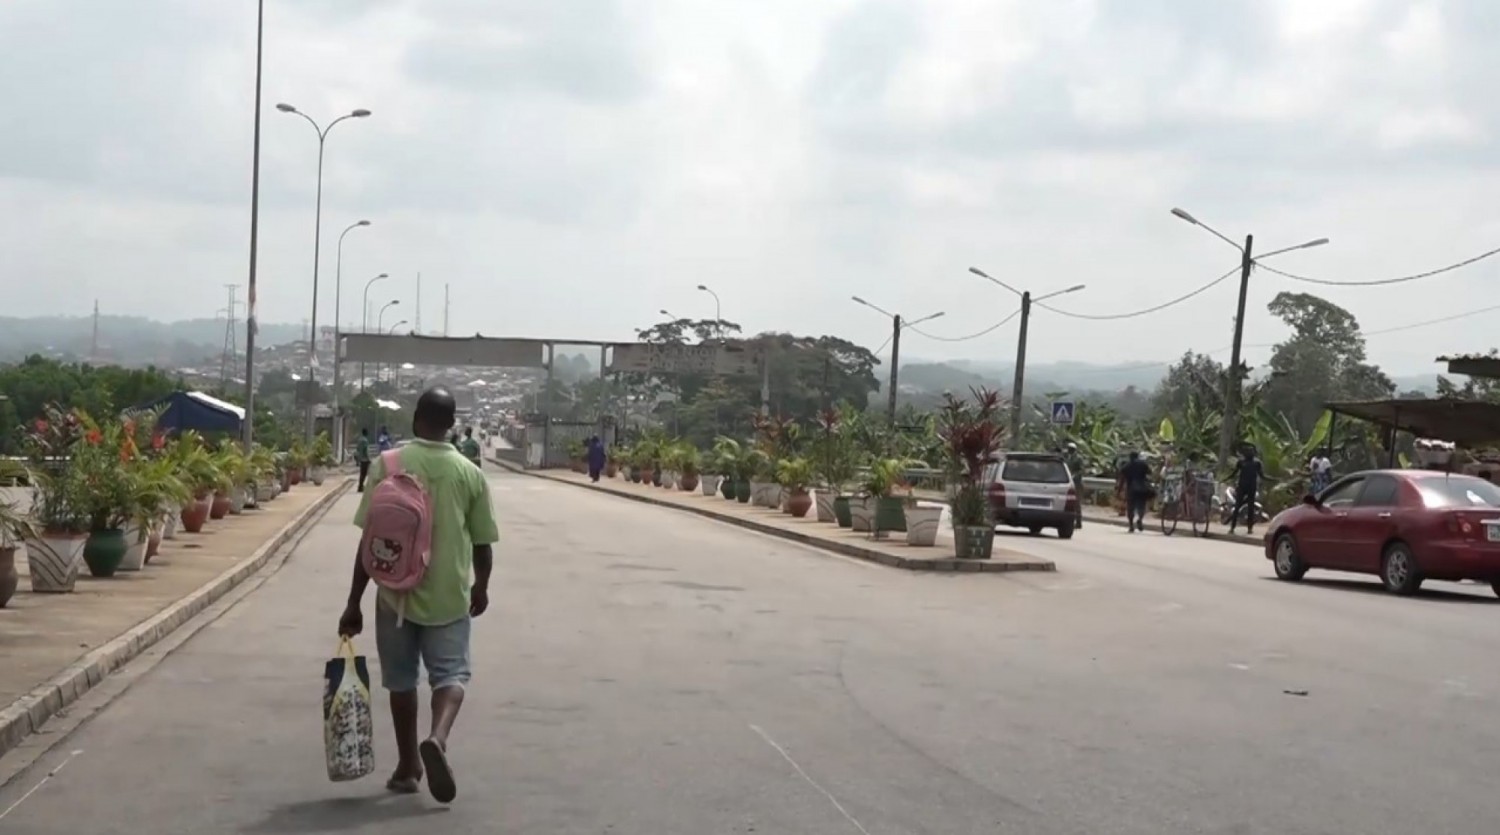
(104, 551)
(775, 495)
(219, 507)
(798, 503)
(742, 492)
(293, 477)
(53, 561)
(973, 542)
(688, 482)
(237, 501)
(153, 542)
(194, 515)
(890, 515)
(611, 469)
(9, 576)
(922, 522)
(317, 475)
(861, 514)
(669, 479)
(168, 526)
(251, 495)
(841, 511)
(726, 488)
(710, 484)
(655, 479)
(135, 549)
(824, 501)
(635, 476)
(758, 493)
(264, 493)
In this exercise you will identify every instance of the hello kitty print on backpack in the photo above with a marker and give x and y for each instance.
(397, 540)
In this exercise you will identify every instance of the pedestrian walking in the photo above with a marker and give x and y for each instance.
(1246, 476)
(424, 491)
(470, 447)
(362, 457)
(1319, 473)
(1075, 468)
(383, 440)
(596, 458)
(1136, 478)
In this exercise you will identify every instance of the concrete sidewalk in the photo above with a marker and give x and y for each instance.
(893, 552)
(57, 647)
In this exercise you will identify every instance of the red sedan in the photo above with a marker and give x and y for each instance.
(1404, 526)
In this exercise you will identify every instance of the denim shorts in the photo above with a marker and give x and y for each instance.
(404, 649)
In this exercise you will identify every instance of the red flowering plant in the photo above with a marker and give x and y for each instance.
(107, 463)
(835, 451)
(776, 438)
(971, 434)
(57, 502)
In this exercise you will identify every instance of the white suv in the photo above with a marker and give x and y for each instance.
(1032, 490)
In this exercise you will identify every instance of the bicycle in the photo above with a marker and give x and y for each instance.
(1196, 503)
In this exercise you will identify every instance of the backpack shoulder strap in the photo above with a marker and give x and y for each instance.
(391, 459)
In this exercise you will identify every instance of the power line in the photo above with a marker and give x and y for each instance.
(1133, 314)
(1382, 281)
(988, 330)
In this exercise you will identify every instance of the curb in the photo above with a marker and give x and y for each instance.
(1239, 539)
(848, 549)
(26, 715)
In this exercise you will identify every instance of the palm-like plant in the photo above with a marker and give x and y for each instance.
(159, 489)
(795, 473)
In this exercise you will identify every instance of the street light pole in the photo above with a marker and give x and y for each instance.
(380, 328)
(1019, 380)
(312, 347)
(1233, 382)
(338, 318)
(364, 323)
(718, 310)
(248, 429)
(897, 324)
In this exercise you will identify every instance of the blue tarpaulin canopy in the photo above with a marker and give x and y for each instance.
(194, 410)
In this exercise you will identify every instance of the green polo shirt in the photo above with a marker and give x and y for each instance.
(462, 517)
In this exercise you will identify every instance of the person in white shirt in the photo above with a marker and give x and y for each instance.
(1320, 470)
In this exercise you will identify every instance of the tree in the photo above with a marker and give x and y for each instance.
(1194, 378)
(1322, 361)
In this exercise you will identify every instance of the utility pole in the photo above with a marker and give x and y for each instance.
(445, 310)
(1233, 388)
(895, 362)
(1020, 378)
(419, 305)
(94, 341)
(765, 379)
(230, 348)
(249, 423)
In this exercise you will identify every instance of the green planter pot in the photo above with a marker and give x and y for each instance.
(726, 488)
(103, 552)
(890, 514)
(841, 512)
(742, 492)
(973, 542)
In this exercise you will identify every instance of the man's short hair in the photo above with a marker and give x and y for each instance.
(436, 408)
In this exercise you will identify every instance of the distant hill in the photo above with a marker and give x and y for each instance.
(128, 340)
(1076, 377)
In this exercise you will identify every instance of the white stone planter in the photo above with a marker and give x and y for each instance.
(237, 500)
(169, 523)
(824, 502)
(775, 496)
(709, 484)
(264, 493)
(758, 490)
(317, 475)
(54, 562)
(135, 548)
(861, 513)
(922, 522)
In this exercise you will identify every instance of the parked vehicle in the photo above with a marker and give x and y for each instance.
(1032, 490)
(1404, 526)
(1226, 509)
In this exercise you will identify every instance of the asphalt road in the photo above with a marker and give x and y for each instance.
(646, 671)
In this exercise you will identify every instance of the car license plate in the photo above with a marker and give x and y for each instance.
(1492, 530)
(1036, 502)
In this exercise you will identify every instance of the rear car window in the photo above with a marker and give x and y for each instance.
(1458, 491)
(1036, 470)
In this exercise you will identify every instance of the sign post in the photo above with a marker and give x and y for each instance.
(1063, 412)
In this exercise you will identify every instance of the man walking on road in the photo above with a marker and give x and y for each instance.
(362, 457)
(1136, 477)
(429, 625)
(469, 447)
(1247, 474)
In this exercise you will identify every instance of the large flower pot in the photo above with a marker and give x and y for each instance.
(104, 551)
(973, 542)
(237, 501)
(688, 482)
(644, 475)
(710, 484)
(153, 542)
(655, 480)
(890, 515)
(824, 501)
(134, 558)
(250, 496)
(611, 469)
(195, 515)
(742, 492)
(841, 512)
(293, 477)
(758, 493)
(9, 576)
(726, 488)
(922, 522)
(669, 479)
(317, 475)
(775, 495)
(861, 514)
(798, 503)
(54, 560)
(219, 507)
(168, 526)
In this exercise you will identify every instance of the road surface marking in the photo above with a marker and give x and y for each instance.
(810, 781)
(42, 782)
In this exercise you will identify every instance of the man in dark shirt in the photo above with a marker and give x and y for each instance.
(1246, 476)
(1136, 477)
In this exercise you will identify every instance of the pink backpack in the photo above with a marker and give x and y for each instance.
(397, 540)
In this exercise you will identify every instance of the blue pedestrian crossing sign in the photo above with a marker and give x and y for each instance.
(1062, 412)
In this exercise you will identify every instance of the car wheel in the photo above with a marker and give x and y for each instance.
(1036, 530)
(1065, 532)
(1398, 569)
(1287, 559)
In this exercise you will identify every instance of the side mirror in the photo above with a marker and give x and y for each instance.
(1311, 501)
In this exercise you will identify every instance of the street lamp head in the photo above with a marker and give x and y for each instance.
(980, 273)
(1185, 216)
(392, 301)
(858, 299)
(1075, 288)
(360, 113)
(286, 108)
(703, 287)
(383, 275)
(363, 223)
(1311, 244)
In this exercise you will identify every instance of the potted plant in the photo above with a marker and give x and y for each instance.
(971, 435)
(58, 515)
(728, 458)
(105, 464)
(160, 492)
(264, 482)
(577, 452)
(889, 511)
(235, 466)
(689, 461)
(320, 458)
(612, 463)
(296, 462)
(835, 460)
(646, 453)
(202, 476)
(15, 530)
(795, 474)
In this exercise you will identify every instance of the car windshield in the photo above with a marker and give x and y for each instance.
(1036, 470)
(1458, 491)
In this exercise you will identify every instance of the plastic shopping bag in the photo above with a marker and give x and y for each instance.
(348, 726)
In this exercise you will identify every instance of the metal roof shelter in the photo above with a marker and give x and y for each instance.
(1473, 365)
(1470, 423)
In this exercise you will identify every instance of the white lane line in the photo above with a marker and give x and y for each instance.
(810, 781)
(38, 786)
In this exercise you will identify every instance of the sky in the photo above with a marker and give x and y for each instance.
(569, 169)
